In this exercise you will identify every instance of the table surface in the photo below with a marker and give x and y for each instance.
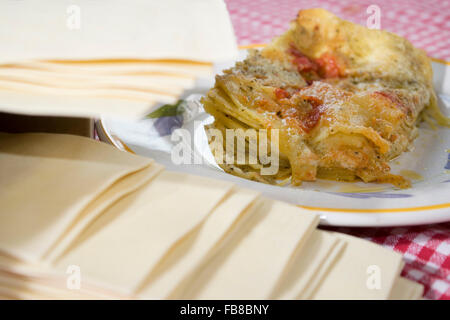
(426, 249)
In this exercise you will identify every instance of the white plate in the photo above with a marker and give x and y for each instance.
(338, 203)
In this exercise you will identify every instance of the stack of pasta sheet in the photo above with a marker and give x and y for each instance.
(82, 220)
(110, 57)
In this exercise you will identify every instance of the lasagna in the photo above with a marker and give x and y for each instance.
(345, 100)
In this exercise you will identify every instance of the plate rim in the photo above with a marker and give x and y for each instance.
(348, 217)
(351, 217)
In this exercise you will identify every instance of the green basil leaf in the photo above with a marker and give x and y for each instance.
(167, 110)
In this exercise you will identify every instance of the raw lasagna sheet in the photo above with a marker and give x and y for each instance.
(119, 189)
(46, 181)
(178, 268)
(196, 30)
(349, 278)
(123, 246)
(43, 275)
(70, 105)
(165, 69)
(119, 62)
(144, 95)
(26, 288)
(171, 85)
(309, 267)
(405, 289)
(250, 265)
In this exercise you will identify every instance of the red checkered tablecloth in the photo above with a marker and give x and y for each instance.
(425, 23)
(426, 249)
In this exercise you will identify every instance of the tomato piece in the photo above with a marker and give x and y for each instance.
(395, 100)
(314, 101)
(281, 94)
(302, 62)
(312, 118)
(328, 66)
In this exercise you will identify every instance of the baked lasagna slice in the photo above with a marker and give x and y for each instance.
(345, 100)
